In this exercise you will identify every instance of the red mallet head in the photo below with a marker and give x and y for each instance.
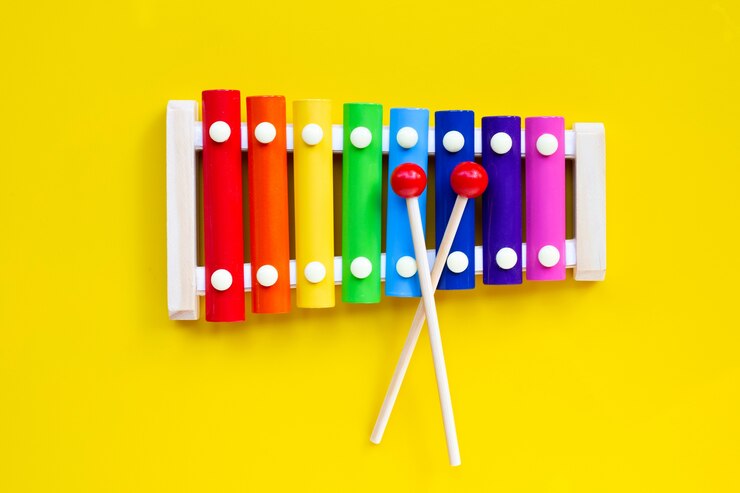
(408, 180)
(469, 179)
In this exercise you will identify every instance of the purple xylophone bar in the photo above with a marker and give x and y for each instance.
(502, 201)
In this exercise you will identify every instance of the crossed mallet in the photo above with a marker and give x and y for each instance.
(408, 180)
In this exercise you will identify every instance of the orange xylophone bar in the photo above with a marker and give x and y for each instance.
(267, 166)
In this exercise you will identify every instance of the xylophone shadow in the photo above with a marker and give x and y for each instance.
(147, 263)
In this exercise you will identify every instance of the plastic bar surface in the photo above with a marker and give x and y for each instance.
(362, 187)
(502, 201)
(411, 122)
(314, 213)
(267, 167)
(222, 206)
(545, 196)
(453, 140)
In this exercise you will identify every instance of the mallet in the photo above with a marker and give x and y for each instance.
(469, 180)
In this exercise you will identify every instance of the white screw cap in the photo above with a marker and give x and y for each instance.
(406, 266)
(361, 267)
(457, 262)
(453, 141)
(361, 137)
(547, 144)
(312, 134)
(219, 131)
(501, 143)
(315, 272)
(506, 258)
(221, 280)
(549, 256)
(407, 137)
(267, 275)
(265, 132)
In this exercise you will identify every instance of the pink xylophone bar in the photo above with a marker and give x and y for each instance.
(585, 253)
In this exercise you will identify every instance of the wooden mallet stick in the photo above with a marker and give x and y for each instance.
(469, 180)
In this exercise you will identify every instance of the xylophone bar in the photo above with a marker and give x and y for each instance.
(545, 197)
(223, 225)
(337, 141)
(454, 133)
(269, 228)
(362, 193)
(410, 128)
(313, 197)
(502, 201)
(570, 261)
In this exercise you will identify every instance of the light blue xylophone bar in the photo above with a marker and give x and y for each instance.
(408, 143)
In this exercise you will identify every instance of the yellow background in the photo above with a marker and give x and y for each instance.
(631, 385)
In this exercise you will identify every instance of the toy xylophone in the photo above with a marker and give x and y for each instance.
(221, 137)
(405, 266)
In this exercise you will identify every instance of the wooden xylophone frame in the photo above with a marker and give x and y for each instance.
(585, 253)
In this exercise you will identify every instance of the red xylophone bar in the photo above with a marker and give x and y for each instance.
(222, 206)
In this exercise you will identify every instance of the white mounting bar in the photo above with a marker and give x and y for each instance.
(586, 253)
(337, 139)
(200, 274)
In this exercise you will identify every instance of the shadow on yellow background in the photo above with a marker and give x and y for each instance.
(631, 385)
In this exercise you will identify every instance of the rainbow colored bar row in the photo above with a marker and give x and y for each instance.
(361, 201)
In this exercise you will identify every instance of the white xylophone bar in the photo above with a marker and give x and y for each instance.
(200, 274)
(337, 136)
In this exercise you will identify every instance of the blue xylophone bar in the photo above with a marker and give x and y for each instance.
(454, 138)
